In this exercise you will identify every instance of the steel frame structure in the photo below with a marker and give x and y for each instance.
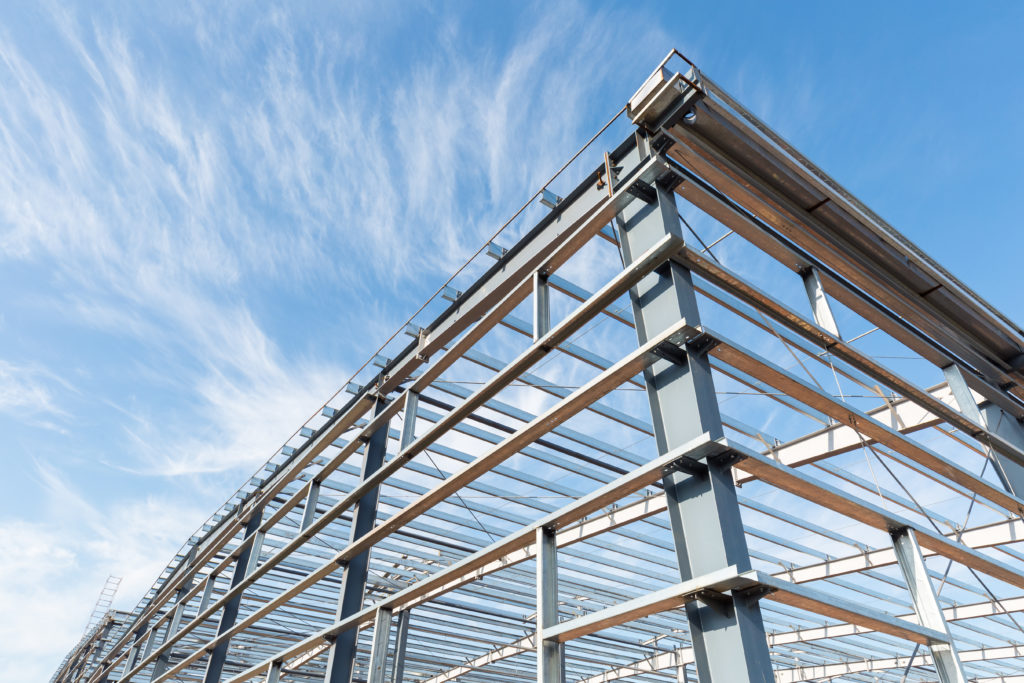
(500, 501)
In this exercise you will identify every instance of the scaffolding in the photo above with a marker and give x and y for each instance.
(706, 417)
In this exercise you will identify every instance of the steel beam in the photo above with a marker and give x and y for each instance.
(668, 341)
(830, 671)
(808, 488)
(342, 653)
(703, 510)
(793, 213)
(777, 188)
(932, 463)
(667, 660)
(560, 332)
(452, 576)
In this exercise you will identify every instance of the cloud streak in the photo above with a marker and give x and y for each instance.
(227, 211)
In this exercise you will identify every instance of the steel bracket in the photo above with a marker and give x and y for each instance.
(728, 458)
(719, 602)
(754, 593)
(642, 191)
(671, 353)
(687, 465)
(660, 143)
(701, 344)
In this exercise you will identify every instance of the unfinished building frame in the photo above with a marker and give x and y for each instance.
(557, 478)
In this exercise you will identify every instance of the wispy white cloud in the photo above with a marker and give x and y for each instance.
(28, 391)
(52, 571)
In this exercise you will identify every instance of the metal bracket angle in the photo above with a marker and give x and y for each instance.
(701, 344)
(719, 602)
(754, 592)
(686, 464)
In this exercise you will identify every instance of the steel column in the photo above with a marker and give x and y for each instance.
(204, 602)
(215, 665)
(401, 638)
(550, 664)
(541, 305)
(164, 659)
(926, 604)
(1005, 425)
(728, 637)
(408, 435)
(379, 648)
(309, 511)
(997, 421)
(104, 635)
(820, 307)
(341, 659)
(133, 652)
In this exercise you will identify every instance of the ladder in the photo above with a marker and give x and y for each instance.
(103, 602)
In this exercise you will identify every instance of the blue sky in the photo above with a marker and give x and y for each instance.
(211, 215)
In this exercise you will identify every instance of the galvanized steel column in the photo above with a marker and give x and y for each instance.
(379, 650)
(1005, 425)
(341, 659)
(401, 639)
(926, 605)
(728, 636)
(997, 421)
(550, 667)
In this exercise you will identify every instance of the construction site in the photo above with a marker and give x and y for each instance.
(780, 443)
